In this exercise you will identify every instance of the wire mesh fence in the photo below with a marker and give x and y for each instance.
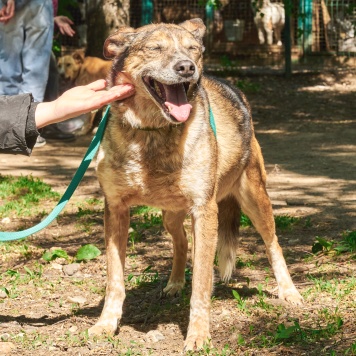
(249, 29)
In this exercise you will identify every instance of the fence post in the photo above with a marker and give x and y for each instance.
(147, 12)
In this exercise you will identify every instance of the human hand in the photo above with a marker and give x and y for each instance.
(7, 12)
(80, 100)
(64, 24)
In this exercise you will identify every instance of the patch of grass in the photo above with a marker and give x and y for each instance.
(282, 222)
(245, 221)
(240, 263)
(348, 242)
(147, 276)
(247, 86)
(21, 194)
(213, 351)
(296, 334)
(336, 288)
(285, 222)
(143, 218)
(240, 301)
(346, 245)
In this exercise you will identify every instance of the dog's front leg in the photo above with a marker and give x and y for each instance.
(205, 240)
(116, 223)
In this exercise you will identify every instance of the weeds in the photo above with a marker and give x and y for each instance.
(285, 222)
(346, 245)
(147, 276)
(22, 194)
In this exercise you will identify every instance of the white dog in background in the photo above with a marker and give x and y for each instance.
(269, 19)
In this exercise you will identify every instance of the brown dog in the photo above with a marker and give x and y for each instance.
(160, 149)
(81, 70)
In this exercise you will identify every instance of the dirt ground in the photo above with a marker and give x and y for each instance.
(306, 126)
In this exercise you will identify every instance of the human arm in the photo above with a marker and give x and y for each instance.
(20, 117)
(7, 12)
(80, 100)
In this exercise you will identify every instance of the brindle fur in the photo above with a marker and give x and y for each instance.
(147, 158)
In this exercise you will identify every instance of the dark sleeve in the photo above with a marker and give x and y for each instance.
(18, 132)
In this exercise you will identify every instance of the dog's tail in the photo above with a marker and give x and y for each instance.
(229, 222)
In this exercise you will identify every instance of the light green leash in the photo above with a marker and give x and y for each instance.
(92, 149)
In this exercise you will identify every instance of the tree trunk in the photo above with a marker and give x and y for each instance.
(104, 17)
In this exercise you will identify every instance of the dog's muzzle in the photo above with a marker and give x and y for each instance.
(172, 98)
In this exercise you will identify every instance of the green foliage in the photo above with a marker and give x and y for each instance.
(22, 194)
(147, 276)
(245, 221)
(295, 333)
(322, 245)
(87, 252)
(285, 222)
(213, 3)
(247, 86)
(241, 302)
(347, 244)
(52, 255)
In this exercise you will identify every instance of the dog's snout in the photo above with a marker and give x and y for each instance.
(185, 68)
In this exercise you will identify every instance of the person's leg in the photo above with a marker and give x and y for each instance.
(11, 44)
(52, 87)
(37, 49)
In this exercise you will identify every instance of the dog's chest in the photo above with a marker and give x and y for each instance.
(155, 171)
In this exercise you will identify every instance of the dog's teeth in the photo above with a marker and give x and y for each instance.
(158, 89)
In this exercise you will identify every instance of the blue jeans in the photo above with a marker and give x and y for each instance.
(25, 49)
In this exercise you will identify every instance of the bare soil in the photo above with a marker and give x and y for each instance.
(306, 126)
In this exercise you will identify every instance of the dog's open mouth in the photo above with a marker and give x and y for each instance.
(172, 98)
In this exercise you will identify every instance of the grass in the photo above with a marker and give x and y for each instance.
(20, 195)
(245, 320)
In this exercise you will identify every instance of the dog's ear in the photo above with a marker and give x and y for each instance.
(196, 27)
(78, 56)
(117, 43)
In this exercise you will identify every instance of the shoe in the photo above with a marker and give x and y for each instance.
(40, 142)
(52, 132)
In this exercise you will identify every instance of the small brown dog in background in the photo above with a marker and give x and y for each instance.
(81, 70)
(160, 149)
(77, 69)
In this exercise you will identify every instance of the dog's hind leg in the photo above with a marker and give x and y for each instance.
(228, 232)
(116, 223)
(173, 223)
(252, 196)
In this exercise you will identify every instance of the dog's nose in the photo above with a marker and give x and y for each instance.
(185, 68)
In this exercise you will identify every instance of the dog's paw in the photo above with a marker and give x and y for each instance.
(196, 342)
(173, 289)
(291, 296)
(102, 329)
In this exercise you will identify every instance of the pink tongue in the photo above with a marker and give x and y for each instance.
(176, 102)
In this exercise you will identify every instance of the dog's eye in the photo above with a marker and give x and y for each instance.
(193, 49)
(154, 48)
